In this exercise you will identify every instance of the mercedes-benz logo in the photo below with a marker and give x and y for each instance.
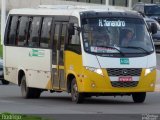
(124, 71)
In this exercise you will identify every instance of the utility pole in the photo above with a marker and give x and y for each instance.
(130, 4)
(3, 19)
(107, 2)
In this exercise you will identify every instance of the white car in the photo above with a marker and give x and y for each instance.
(4, 82)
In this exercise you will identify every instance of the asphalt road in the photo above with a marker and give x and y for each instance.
(60, 103)
(11, 101)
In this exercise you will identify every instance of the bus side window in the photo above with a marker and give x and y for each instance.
(12, 30)
(35, 32)
(22, 32)
(46, 32)
(74, 39)
(62, 40)
(55, 41)
(74, 42)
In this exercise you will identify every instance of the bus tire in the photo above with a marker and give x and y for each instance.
(76, 96)
(28, 92)
(139, 97)
(4, 82)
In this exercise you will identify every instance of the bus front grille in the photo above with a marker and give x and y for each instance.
(124, 84)
(124, 71)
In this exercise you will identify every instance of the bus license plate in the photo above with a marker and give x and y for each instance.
(125, 79)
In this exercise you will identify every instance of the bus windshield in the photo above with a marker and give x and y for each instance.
(116, 35)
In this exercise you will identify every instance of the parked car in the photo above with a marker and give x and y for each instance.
(156, 36)
(149, 10)
(4, 82)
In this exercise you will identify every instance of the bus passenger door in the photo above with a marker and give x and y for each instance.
(58, 55)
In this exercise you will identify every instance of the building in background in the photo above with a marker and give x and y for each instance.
(34, 3)
(125, 3)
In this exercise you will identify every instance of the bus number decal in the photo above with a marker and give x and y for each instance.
(124, 61)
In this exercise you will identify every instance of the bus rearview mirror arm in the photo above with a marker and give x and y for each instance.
(72, 28)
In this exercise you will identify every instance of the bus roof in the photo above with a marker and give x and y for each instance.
(67, 10)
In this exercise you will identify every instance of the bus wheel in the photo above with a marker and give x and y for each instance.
(139, 97)
(28, 92)
(4, 82)
(76, 96)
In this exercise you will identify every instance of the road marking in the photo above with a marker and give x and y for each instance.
(158, 67)
(6, 101)
(157, 86)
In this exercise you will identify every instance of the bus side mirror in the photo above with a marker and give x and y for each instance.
(71, 30)
(153, 28)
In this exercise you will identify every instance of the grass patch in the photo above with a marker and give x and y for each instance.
(1, 51)
(9, 116)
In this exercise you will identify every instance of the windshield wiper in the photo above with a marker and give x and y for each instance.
(139, 48)
(114, 48)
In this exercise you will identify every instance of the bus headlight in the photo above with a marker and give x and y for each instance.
(96, 70)
(149, 70)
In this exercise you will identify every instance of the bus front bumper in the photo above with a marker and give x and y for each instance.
(102, 84)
